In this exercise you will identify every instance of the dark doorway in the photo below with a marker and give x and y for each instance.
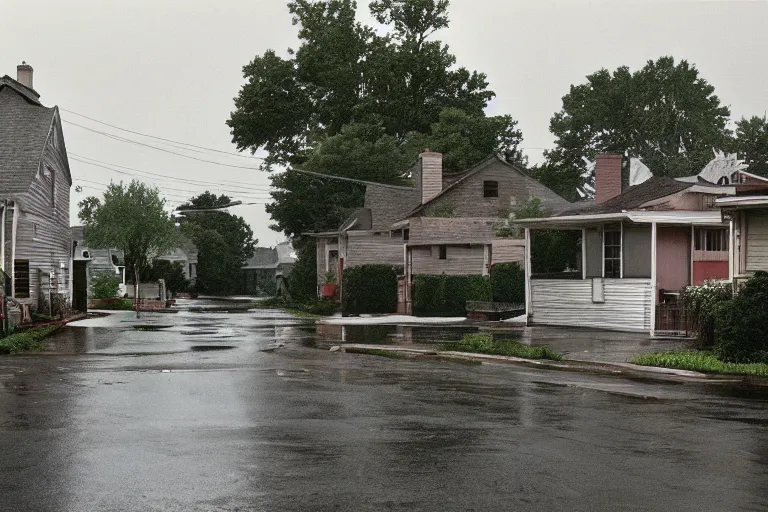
(80, 286)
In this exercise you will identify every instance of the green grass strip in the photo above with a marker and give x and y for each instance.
(30, 340)
(700, 361)
(485, 344)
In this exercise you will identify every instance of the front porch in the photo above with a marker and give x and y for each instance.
(632, 268)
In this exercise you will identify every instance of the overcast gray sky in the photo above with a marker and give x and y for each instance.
(171, 69)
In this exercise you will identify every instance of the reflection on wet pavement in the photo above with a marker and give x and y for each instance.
(212, 423)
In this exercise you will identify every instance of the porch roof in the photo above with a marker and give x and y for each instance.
(687, 218)
(742, 202)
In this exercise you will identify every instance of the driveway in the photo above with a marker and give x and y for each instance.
(116, 418)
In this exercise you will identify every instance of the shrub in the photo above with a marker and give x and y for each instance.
(448, 295)
(701, 302)
(105, 285)
(116, 305)
(485, 344)
(741, 324)
(508, 283)
(30, 340)
(173, 274)
(369, 289)
(302, 281)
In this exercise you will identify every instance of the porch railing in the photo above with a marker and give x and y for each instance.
(674, 319)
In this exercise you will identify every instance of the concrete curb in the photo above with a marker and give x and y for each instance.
(598, 367)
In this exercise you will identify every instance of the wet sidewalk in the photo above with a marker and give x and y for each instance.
(597, 345)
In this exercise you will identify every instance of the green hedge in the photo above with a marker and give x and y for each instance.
(369, 289)
(447, 295)
(741, 324)
(508, 283)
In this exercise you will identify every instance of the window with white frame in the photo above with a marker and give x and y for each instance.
(612, 252)
(711, 239)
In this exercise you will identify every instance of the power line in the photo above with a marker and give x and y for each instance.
(252, 195)
(100, 163)
(129, 141)
(308, 173)
(159, 138)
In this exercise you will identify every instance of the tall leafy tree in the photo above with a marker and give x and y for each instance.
(132, 218)
(664, 113)
(224, 243)
(751, 143)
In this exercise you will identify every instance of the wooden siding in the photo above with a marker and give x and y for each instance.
(370, 249)
(757, 241)
(566, 302)
(515, 188)
(507, 250)
(439, 230)
(460, 260)
(43, 236)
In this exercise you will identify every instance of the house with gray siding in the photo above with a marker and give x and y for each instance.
(748, 217)
(443, 224)
(638, 248)
(35, 181)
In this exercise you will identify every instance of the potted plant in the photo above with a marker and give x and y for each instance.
(329, 288)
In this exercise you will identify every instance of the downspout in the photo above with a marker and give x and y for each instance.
(527, 266)
(13, 247)
(2, 237)
(653, 279)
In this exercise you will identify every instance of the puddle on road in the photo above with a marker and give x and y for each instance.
(151, 327)
(208, 348)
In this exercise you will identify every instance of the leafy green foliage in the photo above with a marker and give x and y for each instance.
(699, 361)
(116, 305)
(30, 340)
(443, 210)
(741, 324)
(751, 143)
(465, 139)
(173, 274)
(353, 102)
(132, 218)
(700, 303)
(370, 289)
(508, 283)
(106, 285)
(664, 113)
(302, 281)
(224, 243)
(312, 307)
(445, 295)
(486, 344)
(551, 250)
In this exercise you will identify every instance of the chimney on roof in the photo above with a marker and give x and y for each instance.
(607, 177)
(431, 174)
(24, 74)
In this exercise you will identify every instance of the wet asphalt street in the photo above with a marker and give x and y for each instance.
(119, 419)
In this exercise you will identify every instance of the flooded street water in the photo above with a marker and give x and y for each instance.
(215, 410)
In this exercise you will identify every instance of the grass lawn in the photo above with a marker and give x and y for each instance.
(700, 361)
(30, 340)
(485, 344)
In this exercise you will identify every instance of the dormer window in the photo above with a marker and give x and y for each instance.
(490, 189)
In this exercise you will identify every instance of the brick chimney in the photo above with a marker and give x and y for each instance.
(24, 74)
(607, 177)
(431, 174)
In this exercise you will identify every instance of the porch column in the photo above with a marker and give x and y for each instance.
(653, 279)
(731, 250)
(583, 253)
(528, 299)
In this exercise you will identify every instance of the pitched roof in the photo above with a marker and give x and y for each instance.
(389, 205)
(24, 128)
(634, 197)
(482, 165)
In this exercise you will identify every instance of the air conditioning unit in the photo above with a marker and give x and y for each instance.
(86, 254)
